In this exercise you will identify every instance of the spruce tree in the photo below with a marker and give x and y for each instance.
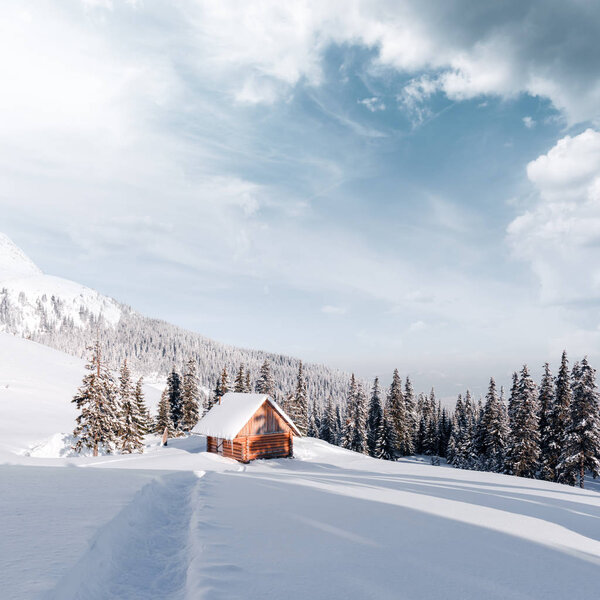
(546, 400)
(240, 382)
(130, 434)
(300, 403)
(581, 449)
(359, 434)
(265, 383)
(143, 415)
(313, 427)
(339, 425)
(163, 418)
(247, 383)
(175, 399)
(98, 423)
(389, 443)
(327, 432)
(494, 438)
(350, 416)
(397, 410)
(524, 445)
(411, 413)
(190, 397)
(375, 421)
(560, 420)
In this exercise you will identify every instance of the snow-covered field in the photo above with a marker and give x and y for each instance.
(178, 523)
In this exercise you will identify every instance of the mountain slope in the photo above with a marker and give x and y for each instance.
(177, 523)
(68, 316)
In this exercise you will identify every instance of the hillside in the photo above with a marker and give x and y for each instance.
(68, 316)
(177, 523)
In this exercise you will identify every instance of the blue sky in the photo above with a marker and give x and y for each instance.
(366, 184)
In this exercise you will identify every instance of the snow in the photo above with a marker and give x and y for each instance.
(225, 420)
(179, 523)
(13, 261)
(41, 300)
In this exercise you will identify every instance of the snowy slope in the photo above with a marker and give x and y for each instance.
(36, 387)
(31, 301)
(179, 523)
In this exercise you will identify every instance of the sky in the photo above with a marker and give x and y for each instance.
(367, 184)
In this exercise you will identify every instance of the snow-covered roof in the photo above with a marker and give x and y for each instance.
(226, 420)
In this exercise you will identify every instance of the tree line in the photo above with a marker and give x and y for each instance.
(549, 431)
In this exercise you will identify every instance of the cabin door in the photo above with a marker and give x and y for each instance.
(220, 446)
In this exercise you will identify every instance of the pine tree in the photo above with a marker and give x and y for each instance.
(389, 443)
(313, 421)
(375, 421)
(350, 416)
(494, 438)
(247, 383)
(513, 399)
(546, 400)
(143, 414)
(98, 423)
(163, 418)
(524, 445)
(560, 420)
(397, 410)
(339, 425)
(190, 395)
(359, 434)
(265, 383)
(240, 383)
(130, 436)
(300, 403)
(581, 449)
(327, 432)
(411, 415)
(175, 399)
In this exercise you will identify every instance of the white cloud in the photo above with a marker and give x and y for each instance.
(560, 234)
(467, 53)
(373, 104)
(528, 122)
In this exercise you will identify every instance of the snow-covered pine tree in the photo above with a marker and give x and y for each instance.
(265, 383)
(513, 399)
(350, 416)
(465, 456)
(313, 426)
(359, 435)
(581, 448)
(411, 412)
(524, 442)
(300, 405)
(175, 399)
(339, 425)
(190, 397)
(375, 421)
(327, 431)
(247, 382)
(494, 438)
(98, 422)
(163, 418)
(389, 443)
(224, 382)
(130, 435)
(546, 400)
(560, 419)
(397, 410)
(143, 415)
(240, 382)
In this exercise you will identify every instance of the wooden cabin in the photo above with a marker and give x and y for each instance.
(246, 427)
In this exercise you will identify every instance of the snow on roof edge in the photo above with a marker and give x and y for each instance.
(226, 420)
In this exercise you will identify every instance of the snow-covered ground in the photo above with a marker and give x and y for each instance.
(178, 523)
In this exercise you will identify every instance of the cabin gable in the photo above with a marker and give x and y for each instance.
(264, 421)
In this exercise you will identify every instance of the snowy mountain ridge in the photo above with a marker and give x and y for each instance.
(67, 316)
(32, 302)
